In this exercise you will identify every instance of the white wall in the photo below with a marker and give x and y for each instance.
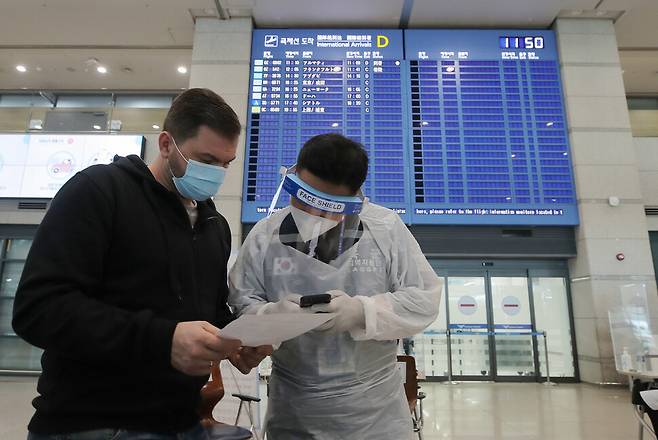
(604, 166)
(646, 153)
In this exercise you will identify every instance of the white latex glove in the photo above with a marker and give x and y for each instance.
(287, 304)
(349, 313)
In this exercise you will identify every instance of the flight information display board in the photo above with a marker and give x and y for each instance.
(461, 126)
(308, 82)
(489, 138)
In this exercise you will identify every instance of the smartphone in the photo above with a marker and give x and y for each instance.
(309, 300)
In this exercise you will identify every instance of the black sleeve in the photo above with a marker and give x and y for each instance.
(59, 302)
(224, 313)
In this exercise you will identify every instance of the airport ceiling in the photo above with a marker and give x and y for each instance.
(142, 43)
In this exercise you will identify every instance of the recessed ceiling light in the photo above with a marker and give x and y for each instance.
(182, 69)
(101, 69)
(103, 88)
(155, 127)
(21, 68)
(97, 127)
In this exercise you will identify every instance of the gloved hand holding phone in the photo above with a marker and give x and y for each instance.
(287, 304)
(349, 313)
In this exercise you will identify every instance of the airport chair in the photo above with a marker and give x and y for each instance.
(211, 394)
(414, 396)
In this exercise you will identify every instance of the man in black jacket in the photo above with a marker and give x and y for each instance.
(125, 286)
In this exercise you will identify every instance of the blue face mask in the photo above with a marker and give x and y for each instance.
(201, 181)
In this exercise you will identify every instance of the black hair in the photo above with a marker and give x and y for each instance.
(336, 159)
(196, 107)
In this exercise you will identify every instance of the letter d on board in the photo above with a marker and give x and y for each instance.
(382, 41)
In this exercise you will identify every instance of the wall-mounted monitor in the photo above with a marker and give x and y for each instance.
(37, 165)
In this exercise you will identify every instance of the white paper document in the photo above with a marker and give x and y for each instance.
(255, 330)
(651, 398)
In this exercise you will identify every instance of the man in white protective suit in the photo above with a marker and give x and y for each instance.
(339, 381)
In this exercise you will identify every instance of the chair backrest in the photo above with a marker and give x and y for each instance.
(411, 382)
(211, 393)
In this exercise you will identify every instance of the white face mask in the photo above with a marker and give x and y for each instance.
(311, 226)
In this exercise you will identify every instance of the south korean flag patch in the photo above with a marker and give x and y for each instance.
(284, 266)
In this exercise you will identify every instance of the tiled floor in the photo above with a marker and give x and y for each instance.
(474, 411)
(467, 411)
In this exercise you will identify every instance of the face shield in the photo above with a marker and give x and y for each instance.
(320, 224)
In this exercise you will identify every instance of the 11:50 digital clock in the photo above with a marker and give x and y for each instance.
(521, 42)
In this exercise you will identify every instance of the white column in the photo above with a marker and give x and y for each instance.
(220, 62)
(604, 167)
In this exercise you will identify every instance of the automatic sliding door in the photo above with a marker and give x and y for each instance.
(469, 329)
(512, 327)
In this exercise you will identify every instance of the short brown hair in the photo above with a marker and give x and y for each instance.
(196, 107)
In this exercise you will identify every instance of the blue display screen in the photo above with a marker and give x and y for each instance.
(489, 138)
(461, 126)
(308, 82)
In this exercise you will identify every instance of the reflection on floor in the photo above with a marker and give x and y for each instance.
(474, 411)
(467, 411)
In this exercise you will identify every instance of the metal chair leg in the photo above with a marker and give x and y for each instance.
(253, 429)
(252, 425)
(237, 418)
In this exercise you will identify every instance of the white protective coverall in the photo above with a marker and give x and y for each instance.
(345, 385)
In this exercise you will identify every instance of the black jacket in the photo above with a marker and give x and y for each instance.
(115, 264)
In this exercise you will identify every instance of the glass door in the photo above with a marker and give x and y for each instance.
(470, 348)
(551, 306)
(15, 354)
(430, 348)
(512, 327)
(496, 313)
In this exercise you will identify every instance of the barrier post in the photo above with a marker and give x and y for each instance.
(450, 382)
(548, 373)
